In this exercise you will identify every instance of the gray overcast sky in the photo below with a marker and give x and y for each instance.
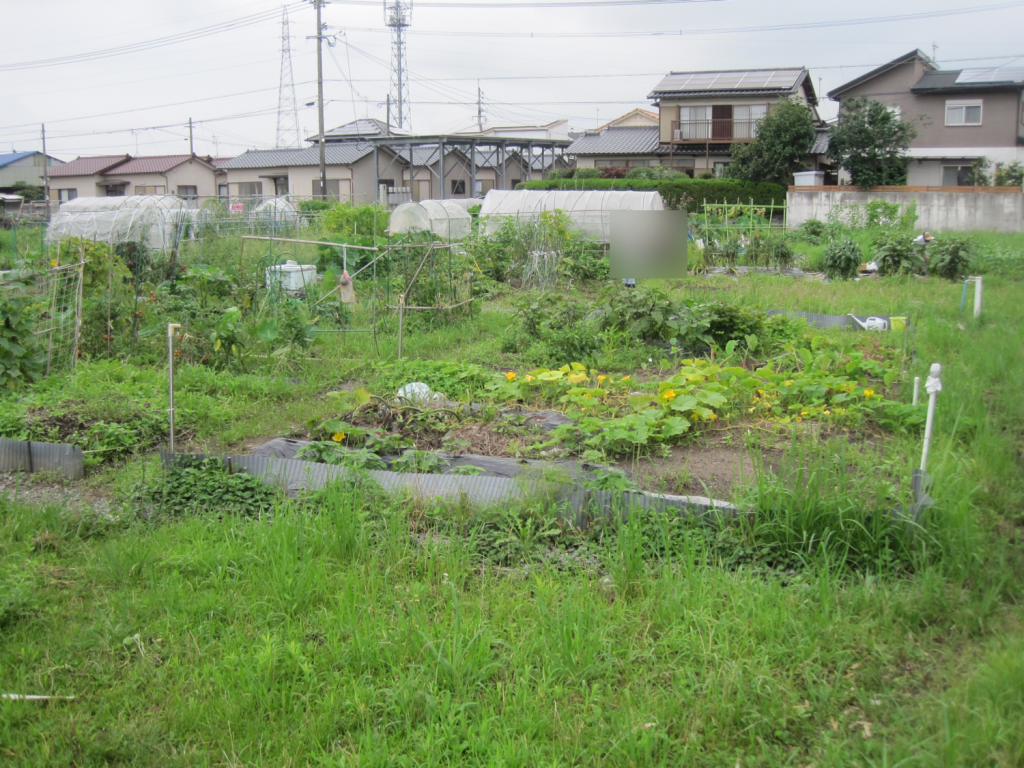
(140, 102)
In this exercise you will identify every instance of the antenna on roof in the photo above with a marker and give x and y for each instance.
(935, 47)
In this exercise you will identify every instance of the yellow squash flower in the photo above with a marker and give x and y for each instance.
(338, 437)
(601, 378)
(868, 392)
(669, 394)
(624, 378)
(510, 375)
(529, 377)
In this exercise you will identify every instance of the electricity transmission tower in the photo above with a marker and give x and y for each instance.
(398, 16)
(287, 108)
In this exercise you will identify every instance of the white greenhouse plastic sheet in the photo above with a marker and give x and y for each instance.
(158, 221)
(446, 219)
(589, 210)
(277, 210)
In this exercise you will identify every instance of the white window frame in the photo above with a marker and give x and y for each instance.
(895, 111)
(964, 104)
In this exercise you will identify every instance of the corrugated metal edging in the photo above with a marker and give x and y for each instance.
(578, 504)
(29, 456)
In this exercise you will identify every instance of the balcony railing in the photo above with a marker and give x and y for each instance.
(701, 131)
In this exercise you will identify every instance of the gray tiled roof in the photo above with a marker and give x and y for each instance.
(344, 153)
(366, 127)
(636, 140)
(820, 145)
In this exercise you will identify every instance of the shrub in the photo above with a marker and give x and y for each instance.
(731, 321)
(951, 257)
(769, 250)
(587, 173)
(205, 485)
(314, 207)
(895, 253)
(553, 326)
(842, 260)
(812, 231)
(647, 315)
(681, 192)
(21, 359)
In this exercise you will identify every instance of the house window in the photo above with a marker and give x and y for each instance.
(188, 191)
(963, 112)
(389, 183)
(115, 190)
(955, 175)
(603, 164)
(458, 186)
(222, 190)
(894, 111)
(635, 163)
(333, 188)
(720, 169)
(148, 189)
(66, 194)
(281, 185)
(694, 123)
(250, 188)
(744, 120)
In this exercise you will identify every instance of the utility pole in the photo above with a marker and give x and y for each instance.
(46, 174)
(320, 96)
(479, 108)
(191, 149)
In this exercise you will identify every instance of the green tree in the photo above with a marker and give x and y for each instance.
(977, 174)
(784, 137)
(27, 191)
(870, 142)
(1010, 174)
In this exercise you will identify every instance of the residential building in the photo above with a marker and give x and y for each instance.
(188, 176)
(700, 117)
(275, 172)
(25, 167)
(960, 114)
(556, 129)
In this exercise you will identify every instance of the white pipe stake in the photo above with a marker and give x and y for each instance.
(977, 296)
(932, 386)
(171, 328)
(917, 388)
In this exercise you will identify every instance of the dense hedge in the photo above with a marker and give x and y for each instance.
(692, 193)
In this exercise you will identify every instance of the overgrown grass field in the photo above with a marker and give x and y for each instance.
(348, 628)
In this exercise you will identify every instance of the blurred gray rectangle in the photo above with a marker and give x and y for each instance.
(648, 244)
(28, 456)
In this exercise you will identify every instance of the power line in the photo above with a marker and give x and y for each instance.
(551, 4)
(147, 45)
(717, 30)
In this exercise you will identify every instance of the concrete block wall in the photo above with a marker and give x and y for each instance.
(936, 211)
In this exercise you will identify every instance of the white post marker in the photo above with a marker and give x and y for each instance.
(171, 328)
(932, 386)
(917, 389)
(977, 296)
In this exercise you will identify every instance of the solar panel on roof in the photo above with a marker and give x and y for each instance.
(756, 79)
(728, 80)
(782, 79)
(992, 75)
(701, 81)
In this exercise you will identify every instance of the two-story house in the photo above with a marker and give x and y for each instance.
(960, 115)
(701, 116)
